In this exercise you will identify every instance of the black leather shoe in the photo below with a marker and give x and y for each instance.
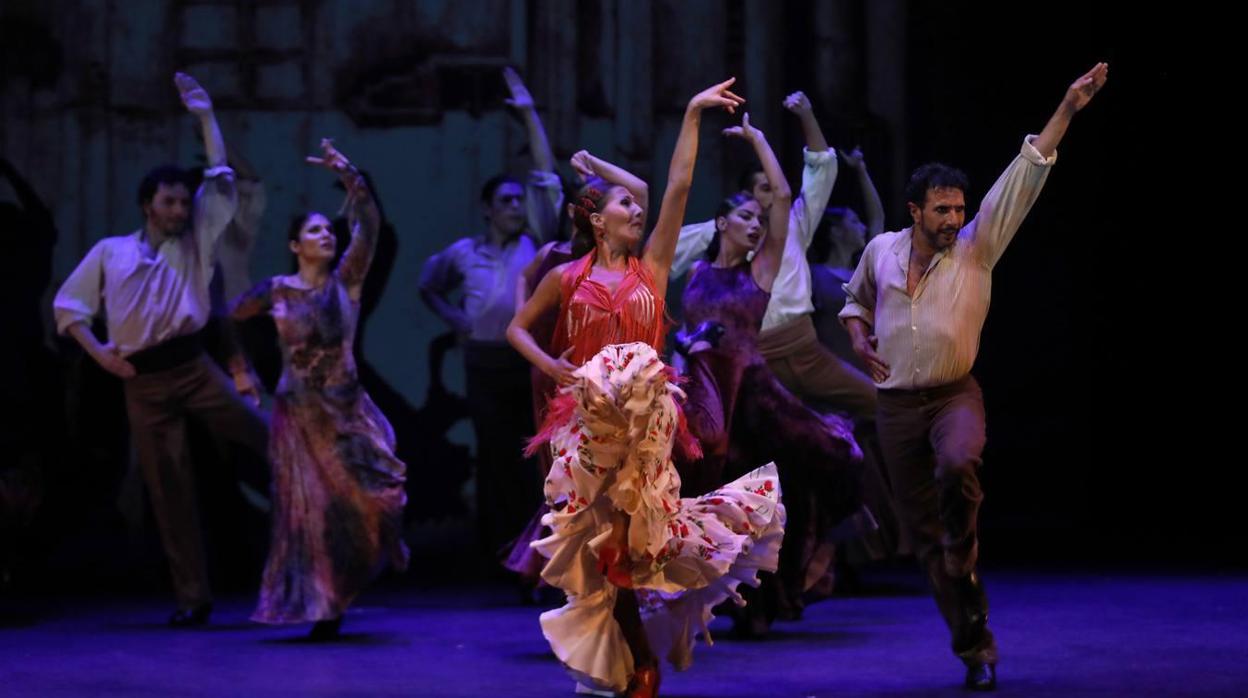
(324, 630)
(191, 617)
(709, 331)
(750, 623)
(981, 677)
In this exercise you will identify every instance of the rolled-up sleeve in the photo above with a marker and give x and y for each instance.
(78, 299)
(215, 205)
(1007, 203)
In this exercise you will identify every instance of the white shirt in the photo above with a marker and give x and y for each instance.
(488, 277)
(151, 296)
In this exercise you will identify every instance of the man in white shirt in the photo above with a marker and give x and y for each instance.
(153, 288)
(519, 217)
(914, 309)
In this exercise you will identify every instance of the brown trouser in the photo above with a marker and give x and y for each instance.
(814, 373)
(501, 407)
(158, 404)
(932, 441)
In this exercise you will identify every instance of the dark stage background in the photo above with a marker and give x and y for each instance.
(1100, 449)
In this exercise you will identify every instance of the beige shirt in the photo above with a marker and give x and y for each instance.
(151, 296)
(932, 339)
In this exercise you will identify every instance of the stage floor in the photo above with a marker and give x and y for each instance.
(1079, 633)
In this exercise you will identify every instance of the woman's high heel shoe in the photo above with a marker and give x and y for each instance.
(645, 683)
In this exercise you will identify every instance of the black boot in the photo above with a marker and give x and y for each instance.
(191, 617)
(981, 677)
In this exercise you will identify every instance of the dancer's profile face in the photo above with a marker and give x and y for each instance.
(760, 188)
(170, 208)
(316, 241)
(506, 209)
(742, 229)
(851, 230)
(942, 216)
(620, 220)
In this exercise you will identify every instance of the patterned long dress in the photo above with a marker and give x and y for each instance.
(338, 492)
(611, 435)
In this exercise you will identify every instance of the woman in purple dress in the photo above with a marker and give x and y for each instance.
(737, 408)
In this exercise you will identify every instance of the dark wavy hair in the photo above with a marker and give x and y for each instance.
(934, 175)
(727, 206)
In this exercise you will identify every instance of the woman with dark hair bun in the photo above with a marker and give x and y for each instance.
(739, 411)
(337, 487)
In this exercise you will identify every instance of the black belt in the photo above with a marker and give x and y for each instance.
(168, 354)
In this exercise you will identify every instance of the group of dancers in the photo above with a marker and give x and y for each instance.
(669, 486)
